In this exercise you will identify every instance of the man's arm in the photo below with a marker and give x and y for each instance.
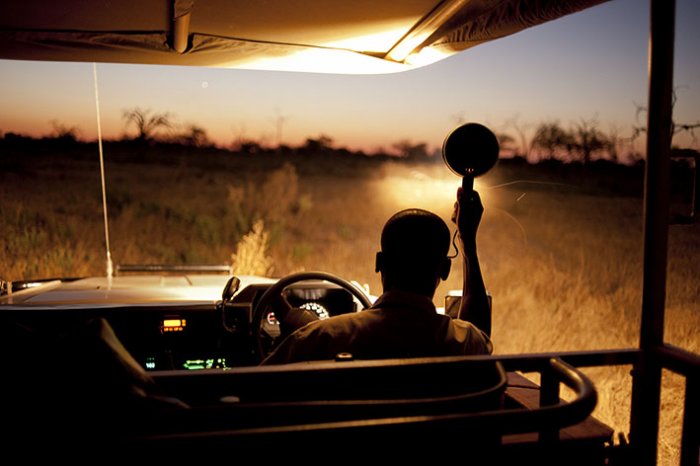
(474, 306)
(284, 353)
(291, 318)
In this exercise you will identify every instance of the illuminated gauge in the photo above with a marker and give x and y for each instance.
(271, 319)
(316, 308)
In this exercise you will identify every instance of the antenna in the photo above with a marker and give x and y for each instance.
(110, 266)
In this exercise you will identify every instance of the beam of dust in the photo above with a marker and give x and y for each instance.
(404, 189)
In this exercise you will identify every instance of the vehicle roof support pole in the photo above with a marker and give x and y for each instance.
(646, 388)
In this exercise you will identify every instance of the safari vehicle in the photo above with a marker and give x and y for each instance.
(179, 371)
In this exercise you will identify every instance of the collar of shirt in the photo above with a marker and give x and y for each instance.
(403, 300)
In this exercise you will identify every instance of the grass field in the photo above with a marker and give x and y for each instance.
(563, 263)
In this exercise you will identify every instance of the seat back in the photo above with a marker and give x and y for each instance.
(321, 392)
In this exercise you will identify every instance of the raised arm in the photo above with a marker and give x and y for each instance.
(474, 306)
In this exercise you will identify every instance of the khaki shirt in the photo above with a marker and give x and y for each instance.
(398, 325)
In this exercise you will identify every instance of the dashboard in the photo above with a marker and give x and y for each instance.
(220, 335)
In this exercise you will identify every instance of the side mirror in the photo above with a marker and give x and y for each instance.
(5, 287)
(230, 289)
(235, 317)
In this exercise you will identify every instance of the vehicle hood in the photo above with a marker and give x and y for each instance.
(141, 290)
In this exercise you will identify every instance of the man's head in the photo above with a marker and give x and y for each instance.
(414, 250)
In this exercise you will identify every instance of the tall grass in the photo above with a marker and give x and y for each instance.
(563, 264)
(251, 256)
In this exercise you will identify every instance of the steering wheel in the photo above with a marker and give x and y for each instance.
(274, 295)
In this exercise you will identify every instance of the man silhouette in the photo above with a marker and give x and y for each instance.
(403, 321)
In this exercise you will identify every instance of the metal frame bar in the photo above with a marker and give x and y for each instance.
(551, 366)
(646, 385)
(532, 362)
(552, 416)
(423, 29)
(653, 354)
(549, 396)
(690, 440)
(678, 360)
(687, 364)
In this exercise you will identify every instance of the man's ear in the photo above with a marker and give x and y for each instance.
(379, 262)
(445, 268)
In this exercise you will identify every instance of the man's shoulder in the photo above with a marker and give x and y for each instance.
(461, 323)
(464, 327)
(468, 336)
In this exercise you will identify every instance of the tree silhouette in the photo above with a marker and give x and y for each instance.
(146, 123)
(63, 132)
(195, 135)
(249, 146)
(550, 137)
(279, 121)
(521, 130)
(505, 142)
(411, 151)
(588, 139)
(613, 141)
(676, 127)
(316, 146)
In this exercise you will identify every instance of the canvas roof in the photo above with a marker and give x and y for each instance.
(359, 36)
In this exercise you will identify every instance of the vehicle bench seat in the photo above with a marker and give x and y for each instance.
(315, 392)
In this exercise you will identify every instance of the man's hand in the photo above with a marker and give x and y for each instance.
(290, 318)
(467, 215)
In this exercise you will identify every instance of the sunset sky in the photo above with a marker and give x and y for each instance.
(590, 65)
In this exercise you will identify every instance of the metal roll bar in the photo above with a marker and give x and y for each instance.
(485, 428)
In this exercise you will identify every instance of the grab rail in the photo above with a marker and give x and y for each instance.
(551, 416)
(686, 364)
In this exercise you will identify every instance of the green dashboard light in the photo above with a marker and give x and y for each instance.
(212, 363)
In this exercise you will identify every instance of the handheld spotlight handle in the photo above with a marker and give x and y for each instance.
(468, 181)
